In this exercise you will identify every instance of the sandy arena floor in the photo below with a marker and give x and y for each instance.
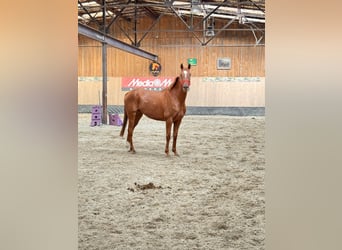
(211, 197)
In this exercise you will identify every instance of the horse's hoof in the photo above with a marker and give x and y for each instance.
(175, 152)
(132, 151)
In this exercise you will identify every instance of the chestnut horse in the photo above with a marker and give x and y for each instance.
(166, 105)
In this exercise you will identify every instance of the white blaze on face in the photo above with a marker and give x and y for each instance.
(185, 74)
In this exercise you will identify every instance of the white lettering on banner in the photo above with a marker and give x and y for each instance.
(157, 83)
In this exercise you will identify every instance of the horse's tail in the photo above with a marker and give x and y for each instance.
(124, 123)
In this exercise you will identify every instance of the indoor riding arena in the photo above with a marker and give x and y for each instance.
(211, 195)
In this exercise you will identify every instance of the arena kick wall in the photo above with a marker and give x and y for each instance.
(241, 87)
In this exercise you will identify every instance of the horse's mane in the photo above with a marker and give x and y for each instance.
(174, 83)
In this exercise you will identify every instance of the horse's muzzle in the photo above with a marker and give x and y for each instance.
(186, 87)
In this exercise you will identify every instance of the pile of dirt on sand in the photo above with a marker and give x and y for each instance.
(150, 185)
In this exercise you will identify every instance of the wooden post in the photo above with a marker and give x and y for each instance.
(104, 67)
(104, 83)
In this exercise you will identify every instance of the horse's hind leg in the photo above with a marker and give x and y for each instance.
(133, 119)
(138, 116)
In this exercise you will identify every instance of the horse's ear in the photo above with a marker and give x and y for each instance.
(189, 66)
(182, 66)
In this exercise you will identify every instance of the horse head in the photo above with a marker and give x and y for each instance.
(185, 77)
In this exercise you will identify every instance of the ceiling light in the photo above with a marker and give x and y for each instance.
(195, 7)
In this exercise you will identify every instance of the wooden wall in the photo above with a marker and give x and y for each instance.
(172, 49)
(218, 92)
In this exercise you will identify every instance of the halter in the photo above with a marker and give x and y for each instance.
(185, 80)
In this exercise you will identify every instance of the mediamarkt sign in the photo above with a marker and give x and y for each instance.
(152, 83)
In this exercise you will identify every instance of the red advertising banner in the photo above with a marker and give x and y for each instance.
(151, 83)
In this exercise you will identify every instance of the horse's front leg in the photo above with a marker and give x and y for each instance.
(176, 125)
(168, 135)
